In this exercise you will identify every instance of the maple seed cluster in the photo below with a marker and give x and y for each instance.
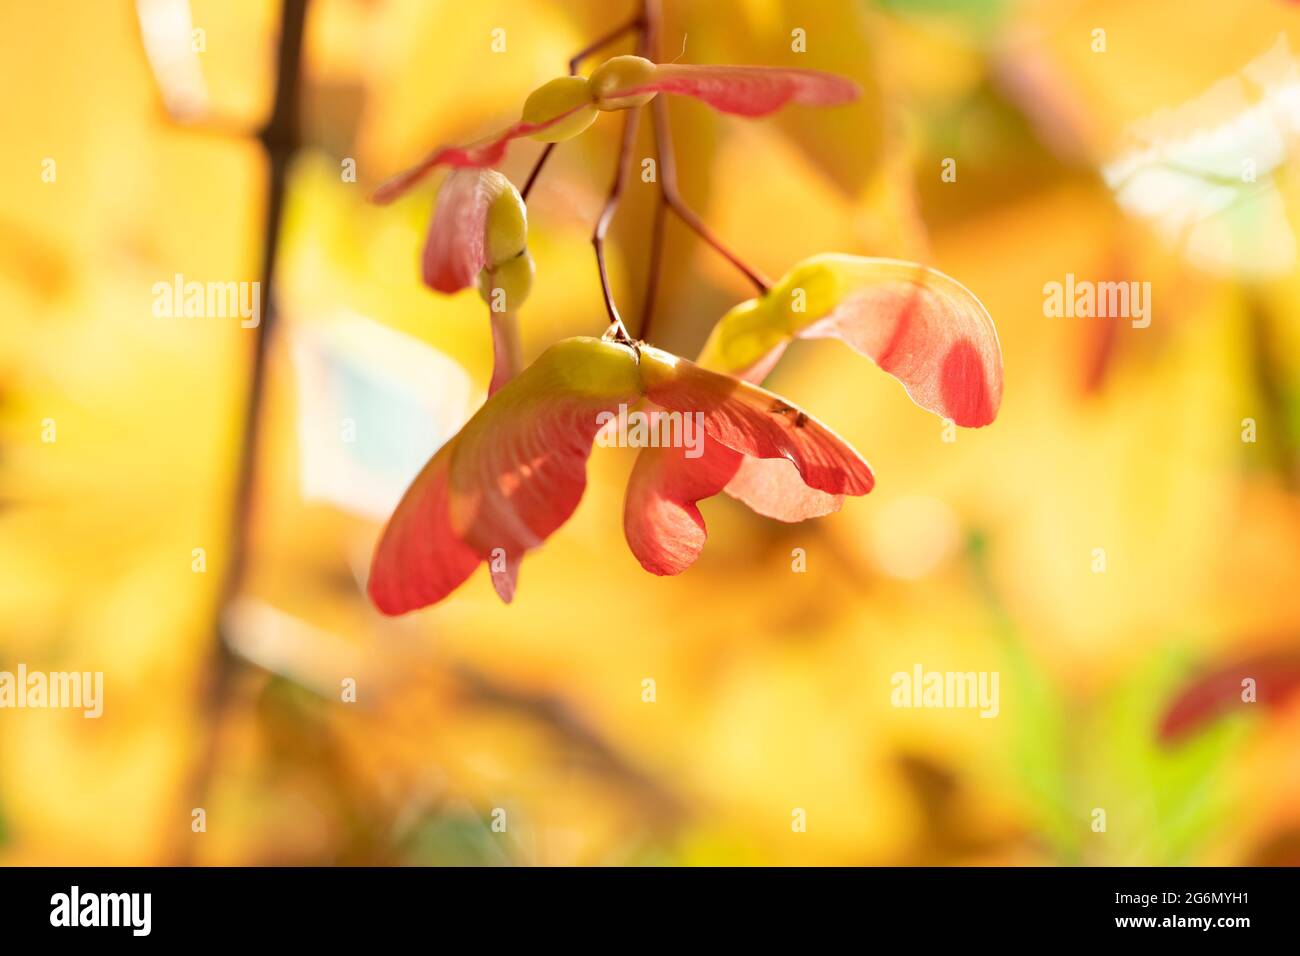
(515, 472)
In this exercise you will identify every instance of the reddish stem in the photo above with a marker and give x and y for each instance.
(652, 271)
(637, 23)
(617, 33)
(641, 24)
(646, 23)
(607, 216)
(537, 168)
(671, 196)
(651, 14)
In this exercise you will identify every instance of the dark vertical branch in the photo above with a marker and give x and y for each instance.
(280, 138)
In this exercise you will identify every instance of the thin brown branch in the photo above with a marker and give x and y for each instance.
(652, 16)
(652, 271)
(672, 196)
(574, 61)
(537, 168)
(607, 216)
(280, 139)
(635, 24)
(642, 24)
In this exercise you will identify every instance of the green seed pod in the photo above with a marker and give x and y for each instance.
(506, 233)
(812, 288)
(505, 287)
(621, 73)
(552, 99)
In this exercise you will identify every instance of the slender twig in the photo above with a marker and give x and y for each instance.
(636, 23)
(642, 25)
(671, 196)
(668, 191)
(280, 139)
(646, 25)
(652, 271)
(537, 168)
(607, 216)
(574, 61)
(652, 17)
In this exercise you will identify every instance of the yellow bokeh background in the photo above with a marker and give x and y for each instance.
(771, 684)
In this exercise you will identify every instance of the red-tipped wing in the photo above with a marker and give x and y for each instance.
(756, 422)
